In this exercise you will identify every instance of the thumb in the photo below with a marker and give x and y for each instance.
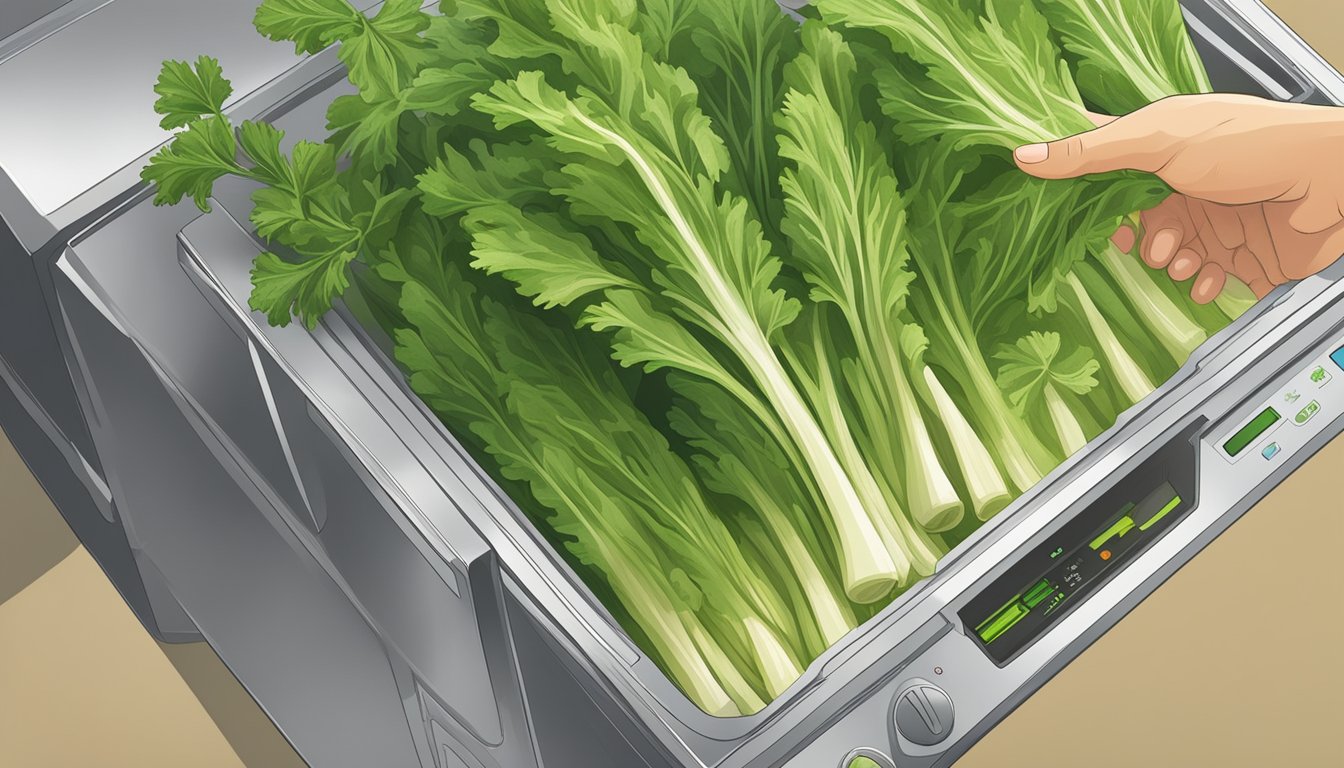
(1133, 142)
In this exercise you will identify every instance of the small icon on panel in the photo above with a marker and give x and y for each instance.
(1304, 415)
(1291, 396)
(1270, 451)
(1319, 376)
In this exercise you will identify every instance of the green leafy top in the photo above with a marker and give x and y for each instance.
(1129, 52)
(381, 53)
(994, 80)
(645, 156)
(1033, 362)
(844, 214)
(736, 53)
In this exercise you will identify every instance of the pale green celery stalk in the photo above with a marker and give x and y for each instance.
(1022, 454)
(815, 366)
(930, 493)
(745, 698)
(1133, 382)
(923, 548)
(737, 458)
(1067, 428)
(846, 228)
(833, 618)
(1177, 333)
(708, 246)
(988, 491)
(778, 667)
(1235, 298)
(681, 641)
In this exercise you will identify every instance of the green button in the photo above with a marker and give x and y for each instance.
(1304, 415)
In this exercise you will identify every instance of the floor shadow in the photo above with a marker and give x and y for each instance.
(245, 726)
(33, 535)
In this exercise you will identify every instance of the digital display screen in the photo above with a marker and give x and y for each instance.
(1249, 433)
(1058, 574)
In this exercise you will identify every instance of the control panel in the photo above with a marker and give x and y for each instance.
(1051, 580)
(1275, 427)
(1055, 577)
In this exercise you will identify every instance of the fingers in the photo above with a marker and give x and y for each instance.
(1185, 264)
(1166, 228)
(1135, 141)
(1159, 247)
(1211, 281)
(1261, 244)
(1248, 268)
(1210, 239)
(1123, 239)
(1226, 225)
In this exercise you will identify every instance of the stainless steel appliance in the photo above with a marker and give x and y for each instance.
(281, 494)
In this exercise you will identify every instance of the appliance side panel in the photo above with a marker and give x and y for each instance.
(30, 350)
(572, 729)
(277, 620)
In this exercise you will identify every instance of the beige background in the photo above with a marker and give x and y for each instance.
(1234, 663)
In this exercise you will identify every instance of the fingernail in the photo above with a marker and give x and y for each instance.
(1183, 267)
(1031, 153)
(1163, 246)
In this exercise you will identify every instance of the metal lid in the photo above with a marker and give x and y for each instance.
(79, 104)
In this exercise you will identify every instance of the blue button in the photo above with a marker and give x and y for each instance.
(1338, 357)
(1270, 451)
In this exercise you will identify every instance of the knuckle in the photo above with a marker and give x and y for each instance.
(1075, 148)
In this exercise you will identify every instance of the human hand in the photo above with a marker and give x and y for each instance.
(1260, 185)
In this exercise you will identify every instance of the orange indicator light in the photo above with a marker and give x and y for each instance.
(1105, 554)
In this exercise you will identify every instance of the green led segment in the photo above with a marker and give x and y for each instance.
(1038, 593)
(1247, 434)
(1118, 528)
(1002, 621)
(1174, 503)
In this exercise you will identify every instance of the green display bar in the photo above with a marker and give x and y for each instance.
(1247, 434)
(1118, 528)
(1038, 593)
(1174, 503)
(1002, 621)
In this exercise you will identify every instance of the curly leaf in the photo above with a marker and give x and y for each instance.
(1034, 361)
(187, 94)
(306, 288)
(538, 252)
(310, 24)
(193, 162)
